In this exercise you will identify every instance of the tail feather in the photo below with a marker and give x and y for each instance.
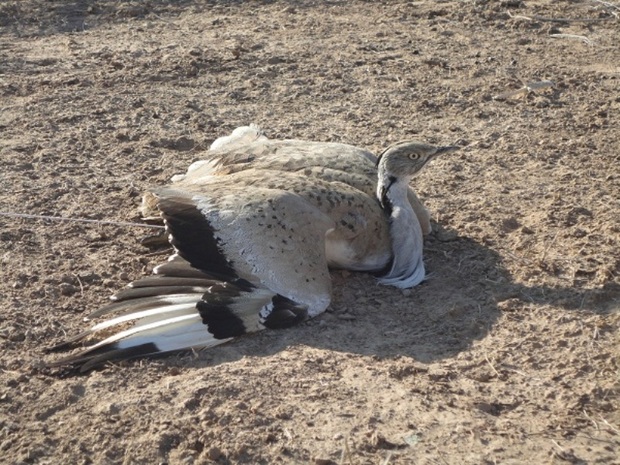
(141, 318)
(173, 282)
(161, 280)
(168, 323)
(135, 293)
(160, 341)
(131, 337)
(155, 338)
(67, 344)
(175, 322)
(179, 268)
(88, 362)
(145, 331)
(146, 317)
(144, 303)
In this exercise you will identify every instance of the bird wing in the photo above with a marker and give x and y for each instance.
(244, 260)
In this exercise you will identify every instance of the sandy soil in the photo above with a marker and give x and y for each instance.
(507, 355)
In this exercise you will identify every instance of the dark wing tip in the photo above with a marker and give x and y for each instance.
(192, 235)
(87, 360)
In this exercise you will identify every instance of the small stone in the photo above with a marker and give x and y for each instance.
(6, 444)
(67, 289)
(16, 336)
(68, 279)
(113, 409)
(321, 461)
(90, 278)
(241, 406)
(446, 236)
(283, 415)
(510, 224)
(379, 441)
(275, 60)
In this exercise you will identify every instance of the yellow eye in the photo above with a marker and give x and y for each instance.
(414, 156)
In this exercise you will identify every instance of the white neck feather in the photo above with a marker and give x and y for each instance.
(406, 233)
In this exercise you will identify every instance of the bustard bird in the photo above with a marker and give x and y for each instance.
(253, 239)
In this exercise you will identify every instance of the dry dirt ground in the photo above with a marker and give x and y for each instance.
(508, 354)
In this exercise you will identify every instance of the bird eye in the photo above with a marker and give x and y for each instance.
(414, 156)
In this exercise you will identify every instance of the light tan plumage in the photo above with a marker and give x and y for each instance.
(248, 148)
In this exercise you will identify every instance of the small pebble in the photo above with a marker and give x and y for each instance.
(68, 279)
(68, 289)
(214, 453)
(320, 461)
(447, 236)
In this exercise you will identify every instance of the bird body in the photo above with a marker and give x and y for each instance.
(255, 227)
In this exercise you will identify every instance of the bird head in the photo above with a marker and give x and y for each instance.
(406, 159)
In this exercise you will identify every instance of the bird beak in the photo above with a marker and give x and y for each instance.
(446, 149)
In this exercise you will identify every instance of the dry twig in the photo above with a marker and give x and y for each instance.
(80, 283)
(526, 89)
(592, 420)
(610, 426)
(79, 220)
(558, 20)
(571, 36)
(346, 454)
(491, 365)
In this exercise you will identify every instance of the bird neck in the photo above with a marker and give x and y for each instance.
(391, 189)
(407, 268)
